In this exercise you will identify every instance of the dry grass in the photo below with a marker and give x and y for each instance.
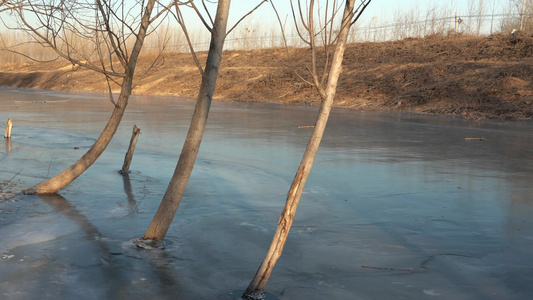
(470, 76)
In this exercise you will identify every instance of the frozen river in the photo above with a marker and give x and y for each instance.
(397, 206)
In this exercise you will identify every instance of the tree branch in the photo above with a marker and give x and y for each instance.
(243, 17)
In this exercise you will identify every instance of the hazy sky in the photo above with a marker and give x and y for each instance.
(379, 10)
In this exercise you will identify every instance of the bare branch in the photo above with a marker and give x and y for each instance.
(181, 22)
(281, 26)
(28, 56)
(166, 9)
(113, 38)
(311, 28)
(52, 43)
(247, 14)
(158, 58)
(296, 22)
(207, 12)
(193, 6)
(360, 9)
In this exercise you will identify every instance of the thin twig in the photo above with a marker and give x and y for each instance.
(243, 17)
(14, 176)
(281, 27)
(49, 167)
(181, 22)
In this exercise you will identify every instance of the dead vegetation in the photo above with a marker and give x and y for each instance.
(7, 191)
(470, 76)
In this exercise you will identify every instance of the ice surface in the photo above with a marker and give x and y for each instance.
(36, 230)
(398, 206)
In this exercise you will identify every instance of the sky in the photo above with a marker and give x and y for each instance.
(378, 13)
(379, 10)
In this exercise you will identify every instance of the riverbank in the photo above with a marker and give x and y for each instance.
(473, 77)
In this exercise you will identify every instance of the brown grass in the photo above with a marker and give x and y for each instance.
(474, 77)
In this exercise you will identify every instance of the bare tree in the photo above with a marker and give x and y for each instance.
(326, 85)
(116, 35)
(526, 11)
(171, 200)
(519, 16)
(480, 12)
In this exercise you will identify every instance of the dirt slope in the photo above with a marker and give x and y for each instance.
(475, 77)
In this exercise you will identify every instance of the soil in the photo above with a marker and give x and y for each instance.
(474, 77)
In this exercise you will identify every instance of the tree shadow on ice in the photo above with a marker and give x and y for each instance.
(120, 267)
(61, 205)
(7, 142)
(132, 203)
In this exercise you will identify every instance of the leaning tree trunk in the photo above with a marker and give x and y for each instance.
(66, 177)
(169, 205)
(255, 289)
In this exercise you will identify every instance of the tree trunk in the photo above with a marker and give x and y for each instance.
(131, 149)
(66, 177)
(9, 126)
(176, 188)
(255, 289)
